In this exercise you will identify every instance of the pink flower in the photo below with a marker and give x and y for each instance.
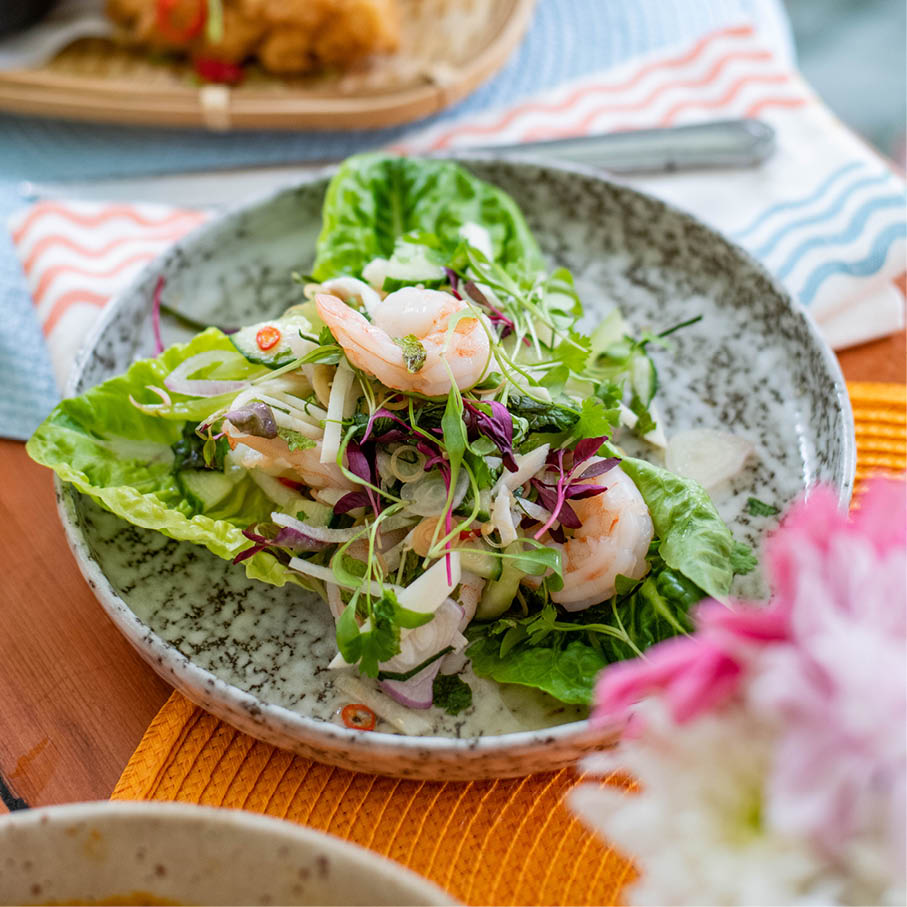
(837, 688)
(693, 674)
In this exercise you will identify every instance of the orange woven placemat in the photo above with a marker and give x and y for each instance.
(487, 842)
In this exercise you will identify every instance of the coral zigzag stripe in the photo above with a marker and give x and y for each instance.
(732, 91)
(73, 297)
(48, 277)
(56, 240)
(582, 126)
(742, 31)
(755, 109)
(108, 213)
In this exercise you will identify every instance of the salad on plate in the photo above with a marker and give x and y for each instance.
(428, 442)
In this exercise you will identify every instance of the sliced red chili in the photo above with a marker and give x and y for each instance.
(359, 717)
(219, 71)
(291, 483)
(183, 27)
(267, 337)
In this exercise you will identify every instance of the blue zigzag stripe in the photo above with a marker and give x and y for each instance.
(799, 203)
(828, 213)
(850, 233)
(863, 268)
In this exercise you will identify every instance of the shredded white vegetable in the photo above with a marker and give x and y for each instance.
(325, 574)
(321, 533)
(502, 518)
(426, 593)
(330, 445)
(527, 466)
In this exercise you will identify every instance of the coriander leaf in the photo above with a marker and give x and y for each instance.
(594, 420)
(755, 507)
(573, 351)
(295, 440)
(349, 643)
(382, 641)
(451, 693)
(413, 352)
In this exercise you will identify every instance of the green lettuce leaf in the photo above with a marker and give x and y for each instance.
(565, 672)
(123, 457)
(375, 198)
(694, 540)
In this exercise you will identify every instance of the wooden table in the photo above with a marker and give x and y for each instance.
(74, 697)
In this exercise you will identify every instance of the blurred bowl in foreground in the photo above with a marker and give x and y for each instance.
(176, 853)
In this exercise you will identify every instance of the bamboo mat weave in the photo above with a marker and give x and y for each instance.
(508, 841)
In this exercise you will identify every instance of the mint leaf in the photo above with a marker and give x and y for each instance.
(413, 352)
(295, 440)
(755, 507)
(451, 693)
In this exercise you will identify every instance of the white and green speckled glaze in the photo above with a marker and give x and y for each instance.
(256, 655)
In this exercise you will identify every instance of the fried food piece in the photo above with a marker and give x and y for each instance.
(286, 36)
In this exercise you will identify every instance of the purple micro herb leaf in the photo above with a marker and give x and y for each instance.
(454, 280)
(495, 315)
(586, 449)
(599, 468)
(360, 466)
(578, 492)
(287, 537)
(382, 413)
(556, 504)
(557, 534)
(497, 427)
(351, 501)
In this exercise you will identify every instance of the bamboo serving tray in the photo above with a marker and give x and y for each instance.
(448, 48)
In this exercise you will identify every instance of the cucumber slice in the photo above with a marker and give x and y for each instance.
(498, 595)
(610, 332)
(204, 488)
(643, 378)
(412, 263)
(246, 339)
(480, 562)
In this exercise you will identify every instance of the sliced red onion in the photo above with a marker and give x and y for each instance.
(179, 381)
(254, 419)
(417, 692)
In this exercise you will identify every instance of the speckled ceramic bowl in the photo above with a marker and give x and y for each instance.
(256, 655)
(176, 853)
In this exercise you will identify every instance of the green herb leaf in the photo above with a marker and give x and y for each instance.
(755, 507)
(743, 560)
(594, 420)
(573, 351)
(413, 352)
(451, 693)
(295, 440)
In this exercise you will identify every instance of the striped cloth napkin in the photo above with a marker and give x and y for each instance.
(825, 214)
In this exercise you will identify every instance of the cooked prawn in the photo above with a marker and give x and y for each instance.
(303, 463)
(614, 538)
(423, 314)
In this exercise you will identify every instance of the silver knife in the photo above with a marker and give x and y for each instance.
(722, 143)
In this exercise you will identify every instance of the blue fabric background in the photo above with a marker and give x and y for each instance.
(567, 39)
